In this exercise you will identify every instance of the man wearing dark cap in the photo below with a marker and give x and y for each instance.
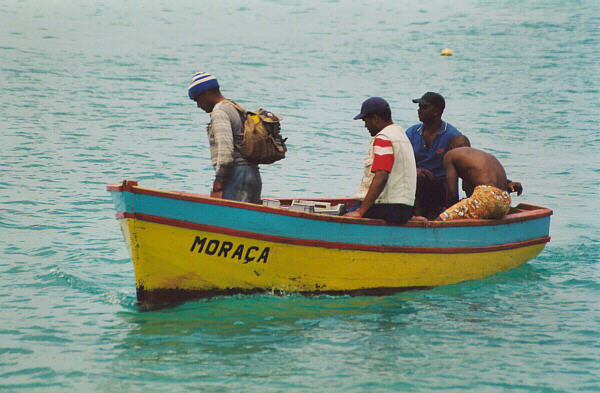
(430, 141)
(236, 178)
(387, 190)
(431, 138)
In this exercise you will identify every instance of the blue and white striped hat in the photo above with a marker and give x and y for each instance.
(201, 82)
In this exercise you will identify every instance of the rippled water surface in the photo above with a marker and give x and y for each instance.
(95, 92)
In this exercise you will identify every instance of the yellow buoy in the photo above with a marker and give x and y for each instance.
(446, 52)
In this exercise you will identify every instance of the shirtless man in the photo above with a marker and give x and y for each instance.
(484, 182)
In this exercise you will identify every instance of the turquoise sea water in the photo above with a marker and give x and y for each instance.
(95, 92)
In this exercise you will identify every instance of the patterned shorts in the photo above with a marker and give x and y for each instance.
(486, 202)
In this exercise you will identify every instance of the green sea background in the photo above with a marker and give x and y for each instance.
(94, 92)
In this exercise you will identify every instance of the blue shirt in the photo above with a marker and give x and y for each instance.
(431, 157)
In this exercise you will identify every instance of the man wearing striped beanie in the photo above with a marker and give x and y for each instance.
(236, 178)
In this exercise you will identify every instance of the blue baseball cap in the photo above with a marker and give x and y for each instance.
(372, 105)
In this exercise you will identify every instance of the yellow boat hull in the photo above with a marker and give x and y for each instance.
(169, 257)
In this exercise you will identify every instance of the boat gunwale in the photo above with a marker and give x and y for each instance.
(329, 244)
(528, 212)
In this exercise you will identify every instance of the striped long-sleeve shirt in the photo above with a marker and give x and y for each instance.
(224, 130)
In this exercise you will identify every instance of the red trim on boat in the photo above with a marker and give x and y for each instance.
(326, 244)
(523, 212)
(127, 185)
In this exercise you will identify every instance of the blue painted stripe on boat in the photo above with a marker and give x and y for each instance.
(304, 228)
(123, 201)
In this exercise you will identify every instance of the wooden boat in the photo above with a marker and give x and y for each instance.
(187, 245)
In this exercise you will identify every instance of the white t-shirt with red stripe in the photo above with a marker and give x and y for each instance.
(391, 151)
(383, 154)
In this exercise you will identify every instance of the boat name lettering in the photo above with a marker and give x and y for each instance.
(222, 249)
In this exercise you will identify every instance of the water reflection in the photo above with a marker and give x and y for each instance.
(241, 314)
(225, 340)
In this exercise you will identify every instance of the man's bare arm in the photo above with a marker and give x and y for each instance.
(377, 185)
(451, 181)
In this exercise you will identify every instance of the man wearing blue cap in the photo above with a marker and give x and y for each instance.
(387, 190)
(236, 178)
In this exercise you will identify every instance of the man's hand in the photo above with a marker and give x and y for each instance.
(515, 186)
(217, 189)
(354, 214)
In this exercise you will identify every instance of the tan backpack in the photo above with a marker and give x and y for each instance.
(262, 142)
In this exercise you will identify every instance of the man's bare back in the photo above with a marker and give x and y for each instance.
(475, 167)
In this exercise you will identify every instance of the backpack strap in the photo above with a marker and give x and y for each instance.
(236, 106)
(243, 114)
